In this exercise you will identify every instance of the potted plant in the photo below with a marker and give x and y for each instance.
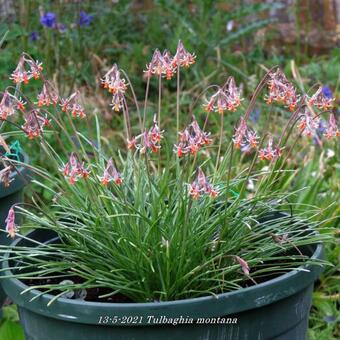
(141, 242)
(13, 179)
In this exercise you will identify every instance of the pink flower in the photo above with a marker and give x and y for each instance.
(5, 176)
(156, 66)
(270, 152)
(244, 265)
(168, 67)
(22, 75)
(308, 124)
(72, 106)
(182, 57)
(226, 98)
(34, 124)
(113, 81)
(10, 223)
(111, 174)
(281, 90)
(244, 137)
(48, 95)
(191, 139)
(9, 104)
(148, 140)
(74, 170)
(332, 129)
(321, 101)
(201, 186)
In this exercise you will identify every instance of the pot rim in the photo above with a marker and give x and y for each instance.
(223, 304)
(19, 178)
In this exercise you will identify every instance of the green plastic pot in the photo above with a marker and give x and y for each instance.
(276, 309)
(9, 196)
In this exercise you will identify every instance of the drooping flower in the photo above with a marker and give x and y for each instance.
(332, 128)
(10, 223)
(148, 140)
(240, 133)
(281, 90)
(111, 174)
(168, 67)
(5, 176)
(113, 81)
(271, 152)
(48, 95)
(34, 124)
(226, 98)
(183, 58)
(320, 100)
(72, 106)
(244, 265)
(48, 20)
(156, 66)
(74, 169)
(201, 186)
(309, 124)
(21, 75)
(84, 19)
(34, 36)
(191, 139)
(9, 104)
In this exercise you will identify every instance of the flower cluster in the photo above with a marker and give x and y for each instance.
(271, 152)
(48, 95)
(34, 124)
(281, 90)
(243, 136)
(163, 64)
(226, 98)
(191, 139)
(115, 85)
(10, 223)
(48, 19)
(72, 106)
(148, 140)
(111, 174)
(26, 69)
(320, 100)
(201, 186)
(9, 104)
(308, 124)
(74, 169)
(332, 129)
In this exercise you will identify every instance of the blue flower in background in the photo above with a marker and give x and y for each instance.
(34, 36)
(48, 20)
(255, 115)
(84, 19)
(327, 92)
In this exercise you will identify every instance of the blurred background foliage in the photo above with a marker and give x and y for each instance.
(79, 40)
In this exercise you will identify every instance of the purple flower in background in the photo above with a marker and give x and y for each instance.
(84, 19)
(255, 115)
(327, 92)
(48, 20)
(61, 27)
(34, 36)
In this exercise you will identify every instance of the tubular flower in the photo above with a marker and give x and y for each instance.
(281, 90)
(72, 106)
(111, 174)
(320, 100)
(48, 95)
(148, 140)
(156, 66)
(10, 223)
(201, 186)
(182, 57)
(74, 170)
(22, 75)
(270, 152)
(244, 137)
(191, 139)
(117, 101)
(244, 265)
(9, 104)
(168, 67)
(5, 176)
(332, 128)
(113, 82)
(226, 98)
(309, 124)
(34, 124)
